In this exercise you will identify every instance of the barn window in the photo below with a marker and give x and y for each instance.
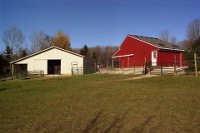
(154, 55)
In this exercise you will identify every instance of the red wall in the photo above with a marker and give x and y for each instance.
(139, 49)
(142, 50)
(168, 58)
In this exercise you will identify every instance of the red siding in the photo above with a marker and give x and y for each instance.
(142, 50)
(168, 58)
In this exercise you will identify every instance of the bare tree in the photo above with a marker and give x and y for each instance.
(193, 30)
(173, 40)
(185, 44)
(13, 38)
(40, 40)
(165, 35)
(102, 54)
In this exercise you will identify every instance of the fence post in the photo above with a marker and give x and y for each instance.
(195, 64)
(112, 63)
(12, 70)
(150, 67)
(175, 62)
(145, 62)
(128, 61)
(161, 70)
(95, 67)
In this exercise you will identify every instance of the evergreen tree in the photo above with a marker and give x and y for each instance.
(84, 50)
(189, 54)
(8, 53)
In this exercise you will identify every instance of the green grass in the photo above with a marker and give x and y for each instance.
(101, 103)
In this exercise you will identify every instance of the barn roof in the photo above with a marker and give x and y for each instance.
(47, 49)
(156, 42)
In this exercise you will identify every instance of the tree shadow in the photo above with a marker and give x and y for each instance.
(142, 126)
(117, 123)
(92, 123)
(3, 89)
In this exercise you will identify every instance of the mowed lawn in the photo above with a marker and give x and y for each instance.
(101, 103)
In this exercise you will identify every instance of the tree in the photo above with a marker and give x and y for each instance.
(23, 52)
(94, 55)
(4, 64)
(196, 46)
(61, 40)
(193, 30)
(84, 50)
(13, 38)
(173, 40)
(165, 35)
(8, 53)
(40, 41)
(189, 54)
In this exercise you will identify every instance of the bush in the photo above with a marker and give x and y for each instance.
(21, 74)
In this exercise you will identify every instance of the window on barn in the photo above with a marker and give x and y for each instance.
(154, 55)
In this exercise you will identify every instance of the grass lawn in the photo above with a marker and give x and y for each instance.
(101, 103)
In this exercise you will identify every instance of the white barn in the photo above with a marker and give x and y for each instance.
(55, 60)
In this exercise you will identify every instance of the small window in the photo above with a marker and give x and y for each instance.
(154, 54)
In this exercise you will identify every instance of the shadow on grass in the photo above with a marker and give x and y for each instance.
(115, 125)
(141, 127)
(3, 89)
(92, 123)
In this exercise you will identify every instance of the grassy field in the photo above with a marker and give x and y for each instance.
(101, 103)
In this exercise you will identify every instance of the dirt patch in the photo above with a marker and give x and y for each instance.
(142, 77)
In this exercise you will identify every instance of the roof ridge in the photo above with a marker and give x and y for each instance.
(143, 36)
(44, 50)
(156, 42)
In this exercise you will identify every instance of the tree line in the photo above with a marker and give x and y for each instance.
(192, 43)
(13, 40)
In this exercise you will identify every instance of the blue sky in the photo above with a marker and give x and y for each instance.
(98, 22)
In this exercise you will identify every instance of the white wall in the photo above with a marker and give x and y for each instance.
(39, 62)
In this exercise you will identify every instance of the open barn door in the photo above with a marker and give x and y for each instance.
(54, 66)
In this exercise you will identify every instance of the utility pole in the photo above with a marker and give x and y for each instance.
(195, 64)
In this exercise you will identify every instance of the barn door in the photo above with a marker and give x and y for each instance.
(154, 58)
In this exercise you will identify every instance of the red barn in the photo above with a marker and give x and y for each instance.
(136, 50)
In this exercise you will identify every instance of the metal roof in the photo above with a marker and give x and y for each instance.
(156, 42)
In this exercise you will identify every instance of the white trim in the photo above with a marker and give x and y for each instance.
(154, 45)
(128, 55)
(116, 52)
(171, 49)
(154, 60)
